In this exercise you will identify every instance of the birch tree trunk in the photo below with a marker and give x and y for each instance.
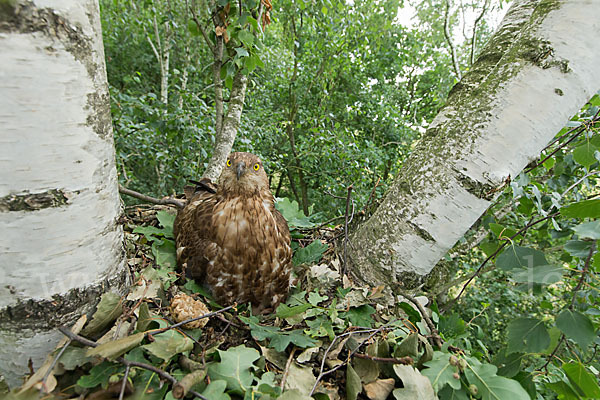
(537, 71)
(61, 245)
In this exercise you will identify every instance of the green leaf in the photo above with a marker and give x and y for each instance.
(440, 372)
(527, 335)
(492, 386)
(449, 393)
(508, 365)
(292, 213)
(144, 319)
(413, 315)
(115, 348)
(578, 248)
(278, 339)
(284, 311)
(310, 254)
(520, 257)
(502, 231)
(193, 287)
(588, 230)
(235, 368)
(543, 274)
(452, 325)
(582, 379)
(584, 154)
(216, 390)
(360, 316)
(582, 209)
(416, 386)
(241, 52)
(74, 357)
(99, 374)
(564, 390)
(409, 346)
(164, 253)
(168, 344)
(108, 310)
(166, 221)
(151, 233)
(576, 326)
(353, 384)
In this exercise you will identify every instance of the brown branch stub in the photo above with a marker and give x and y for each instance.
(181, 388)
(407, 360)
(168, 201)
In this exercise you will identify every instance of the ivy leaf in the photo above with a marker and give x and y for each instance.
(109, 308)
(576, 326)
(310, 254)
(520, 257)
(413, 315)
(584, 155)
(166, 221)
(168, 344)
(492, 386)
(151, 233)
(440, 372)
(360, 316)
(235, 368)
(74, 357)
(99, 374)
(527, 335)
(582, 379)
(278, 339)
(582, 209)
(115, 348)
(588, 230)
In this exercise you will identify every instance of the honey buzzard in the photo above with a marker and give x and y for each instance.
(234, 239)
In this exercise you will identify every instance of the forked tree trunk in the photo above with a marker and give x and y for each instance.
(60, 244)
(536, 72)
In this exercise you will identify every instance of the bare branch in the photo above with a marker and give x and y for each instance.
(166, 201)
(474, 37)
(450, 43)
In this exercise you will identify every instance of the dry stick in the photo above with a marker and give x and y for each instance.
(49, 371)
(166, 201)
(495, 253)
(287, 368)
(322, 374)
(346, 230)
(387, 360)
(73, 336)
(584, 272)
(183, 387)
(124, 384)
(434, 333)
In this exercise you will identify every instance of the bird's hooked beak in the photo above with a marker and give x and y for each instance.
(240, 169)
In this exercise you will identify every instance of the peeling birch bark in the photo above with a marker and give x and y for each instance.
(61, 245)
(538, 70)
(231, 122)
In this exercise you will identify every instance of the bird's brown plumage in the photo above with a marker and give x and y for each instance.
(234, 239)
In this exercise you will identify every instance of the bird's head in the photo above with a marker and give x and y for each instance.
(243, 174)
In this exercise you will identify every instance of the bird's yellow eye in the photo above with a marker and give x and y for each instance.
(256, 166)
(228, 162)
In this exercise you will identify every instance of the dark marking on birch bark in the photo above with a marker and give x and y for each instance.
(34, 201)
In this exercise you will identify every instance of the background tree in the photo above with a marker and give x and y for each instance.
(61, 245)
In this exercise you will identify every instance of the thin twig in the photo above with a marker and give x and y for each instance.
(449, 40)
(166, 201)
(287, 368)
(73, 336)
(584, 272)
(124, 384)
(345, 269)
(49, 371)
(434, 333)
(322, 374)
(408, 360)
(494, 254)
(545, 366)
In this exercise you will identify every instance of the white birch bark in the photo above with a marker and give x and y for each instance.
(60, 243)
(225, 138)
(537, 71)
